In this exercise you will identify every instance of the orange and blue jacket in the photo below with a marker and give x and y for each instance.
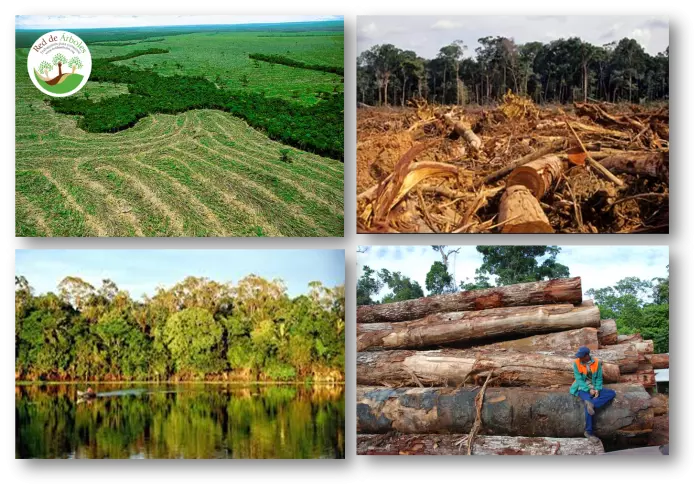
(580, 370)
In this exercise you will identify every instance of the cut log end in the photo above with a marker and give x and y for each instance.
(537, 176)
(520, 212)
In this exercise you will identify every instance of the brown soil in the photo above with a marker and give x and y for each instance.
(583, 201)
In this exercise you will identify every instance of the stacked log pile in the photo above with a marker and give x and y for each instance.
(432, 369)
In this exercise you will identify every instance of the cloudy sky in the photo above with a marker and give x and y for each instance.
(597, 266)
(142, 271)
(97, 21)
(427, 34)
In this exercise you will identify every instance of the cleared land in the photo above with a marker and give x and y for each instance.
(194, 173)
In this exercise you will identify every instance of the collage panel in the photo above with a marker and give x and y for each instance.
(179, 126)
(512, 124)
(180, 354)
(512, 350)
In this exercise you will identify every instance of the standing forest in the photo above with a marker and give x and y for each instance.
(561, 71)
(196, 329)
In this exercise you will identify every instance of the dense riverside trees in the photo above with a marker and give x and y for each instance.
(283, 60)
(195, 329)
(560, 71)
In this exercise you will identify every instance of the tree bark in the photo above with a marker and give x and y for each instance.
(567, 341)
(531, 412)
(648, 380)
(624, 356)
(607, 333)
(445, 328)
(658, 361)
(464, 131)
(455, 367)
(447, 445)
(628, 339)
(650, 164)
(565, 290)
(537, 176)
(520, 212)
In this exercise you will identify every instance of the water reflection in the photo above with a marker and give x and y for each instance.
(180, 421)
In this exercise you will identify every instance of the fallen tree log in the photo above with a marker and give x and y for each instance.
(532, 412)
(658, 361)
(607, 333)
(627, 339)
(454, 367)
(445, 328)
(628, 359)
(537, 176)
(659, 403)
(643, 347)
(565, 290)
(464, 130)
(448, 445)
(520, 212)
(569, 340)
(649, 164)
(648, 380)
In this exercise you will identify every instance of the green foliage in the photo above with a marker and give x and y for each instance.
(286, 155)
(438, 280)
(368, 285)
(516, 264)
(561, 71)
(637, 306)
(283, 60)
(196, 328)
(402, 287)
(318, 128)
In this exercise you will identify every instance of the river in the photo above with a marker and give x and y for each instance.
(186, 420)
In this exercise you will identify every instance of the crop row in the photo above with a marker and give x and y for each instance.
(317, 128)
(283, 60)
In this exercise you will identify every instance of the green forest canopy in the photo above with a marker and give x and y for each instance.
(637, 306)
(559, 71)
(198, 328)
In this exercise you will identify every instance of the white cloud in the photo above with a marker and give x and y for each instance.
(446, 25)
(437, 31)
(643, 36)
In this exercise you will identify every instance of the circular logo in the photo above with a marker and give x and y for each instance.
(59, 63)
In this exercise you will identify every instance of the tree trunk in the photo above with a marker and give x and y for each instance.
(73, 70)
(565, 290)
(607, 333)
(567, 341)
(386, 92)
(520, 212)
(403, 93)
(652, 164)
(628, 339)
(455, 367)
(444, 328)
(464, 131)
(447, 445)
(531, 412)
(658, 361)
(648, 380)
(59, 69)
(624, 356)
(537, 176)
(444, 84)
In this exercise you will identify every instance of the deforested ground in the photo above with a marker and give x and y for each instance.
(513, 167)
(199, 169)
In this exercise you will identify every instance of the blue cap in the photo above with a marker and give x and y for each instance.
(582, 352)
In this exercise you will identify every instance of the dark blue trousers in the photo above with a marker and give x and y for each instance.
(605, 396)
